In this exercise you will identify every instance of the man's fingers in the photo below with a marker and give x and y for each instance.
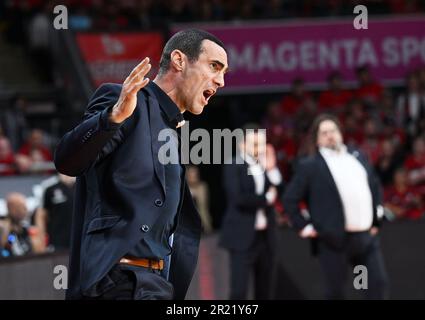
(144, 71)
(139, 76)
(138, 85)
(139, 67)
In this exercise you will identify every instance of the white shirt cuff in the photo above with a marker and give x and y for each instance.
(308, 229)
(270, 197)
(380, 211)
(274, 176)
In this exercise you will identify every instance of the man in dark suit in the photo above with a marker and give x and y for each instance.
(343, 198)
(252, 184)
(129, 202)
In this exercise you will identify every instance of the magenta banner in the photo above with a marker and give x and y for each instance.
(267, 57)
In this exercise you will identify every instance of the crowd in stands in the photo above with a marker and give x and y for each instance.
(388, 129)
(110, 15)
(39, 226)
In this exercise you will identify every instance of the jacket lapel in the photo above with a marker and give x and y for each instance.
(155, 128)
(323, 167)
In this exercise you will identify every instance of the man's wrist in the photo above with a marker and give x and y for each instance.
(107, 122)
(307, 230)
(270, 197)
(274, 176)
(114, 116)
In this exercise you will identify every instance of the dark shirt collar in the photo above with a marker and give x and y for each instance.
(170, 109)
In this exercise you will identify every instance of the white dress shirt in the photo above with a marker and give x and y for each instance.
(257, 172)
(352, 183)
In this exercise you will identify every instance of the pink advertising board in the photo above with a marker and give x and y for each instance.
(268, 56)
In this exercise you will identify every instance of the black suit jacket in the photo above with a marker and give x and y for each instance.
(120, 189)
(237, 230)
(314, 184)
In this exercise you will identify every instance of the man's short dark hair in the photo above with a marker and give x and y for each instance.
(317, 122)
(187, 41)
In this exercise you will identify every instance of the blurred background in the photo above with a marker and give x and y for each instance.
(289, 61)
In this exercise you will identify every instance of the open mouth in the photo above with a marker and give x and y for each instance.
(208, 94)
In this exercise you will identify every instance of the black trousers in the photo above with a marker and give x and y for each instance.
(124, 282)
(260, 260)
(360, 248)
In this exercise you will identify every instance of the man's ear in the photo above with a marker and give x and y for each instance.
(178, 60)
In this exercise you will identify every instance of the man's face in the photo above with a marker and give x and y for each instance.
(16, 206)
(255, 144)
(36, 138)
(203, 77)
(329, 135)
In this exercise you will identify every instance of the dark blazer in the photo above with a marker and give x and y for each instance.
(237, 231)
(314, 184)
(120, 189)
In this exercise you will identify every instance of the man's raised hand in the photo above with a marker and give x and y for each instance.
(127, 101)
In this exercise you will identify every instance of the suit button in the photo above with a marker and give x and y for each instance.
(158, 203)
(145, 228)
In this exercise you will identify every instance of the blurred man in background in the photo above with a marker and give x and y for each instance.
(54, 216)
(248, 230)
(199, 190)
(342, 197)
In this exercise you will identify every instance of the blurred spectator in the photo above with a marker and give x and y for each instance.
(110, 18)
(281, 134)
(415, 162)
(274, 123)
(178, 11)
(34, 155)
(144, 14)
(16, 235)
(247, 10)
(405, 6)
(369, 91)
(7, 158)
(199, 191)
(386, 108)
(411, 105)
(295, 99)
(421, 76)
(353, 119)
(386, 113)
(305, 114)
(342, 196)
(13, 121)
(40, 39)
(118, 15)
(336, 97)
(353, 134)
(371, 144)
(403, 200)
(54, 216)
(17, 16)
(388, 161)
(275, 9)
